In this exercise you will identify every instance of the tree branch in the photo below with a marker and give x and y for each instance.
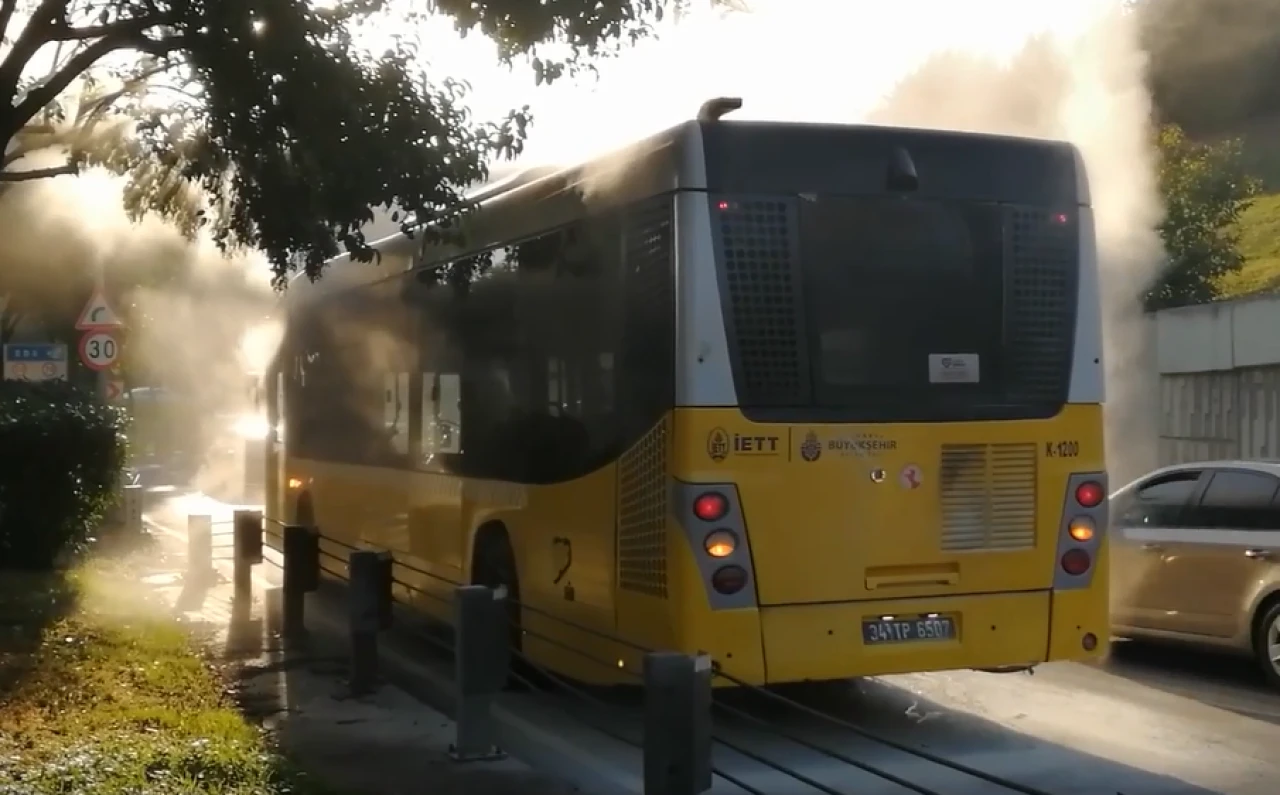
(38, 173)
(128, 27)
(77, 65)
(7, 7)
(131, 85)
(34, 36)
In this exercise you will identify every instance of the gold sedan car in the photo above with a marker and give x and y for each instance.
(1195, 558)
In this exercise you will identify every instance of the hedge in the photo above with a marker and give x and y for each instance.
(62, 451)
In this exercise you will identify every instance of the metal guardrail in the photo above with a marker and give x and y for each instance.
(678, 730)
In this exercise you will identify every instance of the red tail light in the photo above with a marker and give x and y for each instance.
(710, 507)
(1076, 562)
(1089, 494)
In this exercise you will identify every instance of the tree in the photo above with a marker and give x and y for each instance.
(1205, 189)
(291, 130)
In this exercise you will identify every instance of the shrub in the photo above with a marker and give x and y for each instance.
(61, 455)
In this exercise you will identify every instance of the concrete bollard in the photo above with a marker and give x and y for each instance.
(482, 659)
(199, 548)
(677, 723)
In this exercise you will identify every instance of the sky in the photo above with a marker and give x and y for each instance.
(804, 60)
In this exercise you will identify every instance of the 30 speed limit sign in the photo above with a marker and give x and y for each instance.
(99, 350)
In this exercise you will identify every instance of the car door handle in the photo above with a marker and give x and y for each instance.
(1152, 548)
(1259, 554)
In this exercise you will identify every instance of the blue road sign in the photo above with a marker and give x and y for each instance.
(35, 362)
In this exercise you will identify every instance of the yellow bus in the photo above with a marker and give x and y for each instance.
(822, 401)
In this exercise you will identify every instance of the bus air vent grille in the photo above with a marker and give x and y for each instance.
(642, 515)
(764, 317)
(988, 496)
(1041, 304)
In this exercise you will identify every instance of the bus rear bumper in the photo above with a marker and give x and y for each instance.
(825, 641)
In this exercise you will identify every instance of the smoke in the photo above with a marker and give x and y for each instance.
(1029, 67)
(1087, 87)
(1072, 71)
(197, 321)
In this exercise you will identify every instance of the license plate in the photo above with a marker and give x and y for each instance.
(907, 629)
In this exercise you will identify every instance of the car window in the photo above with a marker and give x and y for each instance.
(1159, 502)
(1238, 500)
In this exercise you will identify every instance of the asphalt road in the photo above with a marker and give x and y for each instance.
(1150, 721)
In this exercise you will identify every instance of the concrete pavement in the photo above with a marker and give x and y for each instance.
(388, 743)
(1137, 726)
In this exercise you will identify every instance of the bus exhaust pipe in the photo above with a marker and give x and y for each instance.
(715, 109)
(1030, 670)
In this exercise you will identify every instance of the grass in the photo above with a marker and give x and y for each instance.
(102, 693)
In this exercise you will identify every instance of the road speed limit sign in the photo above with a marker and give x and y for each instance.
(99, 350)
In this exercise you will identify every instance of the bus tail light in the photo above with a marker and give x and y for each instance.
(1081, 529)
(1076, 562)
(710, 506)
(720, 543)
(728, 580)
(1090, 494)
(712, 521)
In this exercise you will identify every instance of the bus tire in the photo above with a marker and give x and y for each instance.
(494, 566)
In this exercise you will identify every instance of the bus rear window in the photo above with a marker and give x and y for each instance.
(890, 308)
(891, 283)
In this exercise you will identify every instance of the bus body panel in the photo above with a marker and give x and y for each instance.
(842, 520)
(1088, 370)
(824, 641)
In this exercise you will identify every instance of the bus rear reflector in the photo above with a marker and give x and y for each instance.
(1076, 562)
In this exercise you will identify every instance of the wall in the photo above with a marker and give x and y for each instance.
(1219, 367)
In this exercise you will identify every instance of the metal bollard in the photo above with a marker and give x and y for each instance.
(199, 548)
(482, 657)
(301, 575)
(247, 538)
(677, 723)
(369, 574)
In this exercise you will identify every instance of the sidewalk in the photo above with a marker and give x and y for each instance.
(384, 744)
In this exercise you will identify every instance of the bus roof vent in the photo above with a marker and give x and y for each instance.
(714, 109)
(901, 173)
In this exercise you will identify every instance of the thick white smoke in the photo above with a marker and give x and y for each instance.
(1063, 70)
(1071, 71)
(198, 321)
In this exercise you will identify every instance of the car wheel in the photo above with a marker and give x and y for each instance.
(1267, 644)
